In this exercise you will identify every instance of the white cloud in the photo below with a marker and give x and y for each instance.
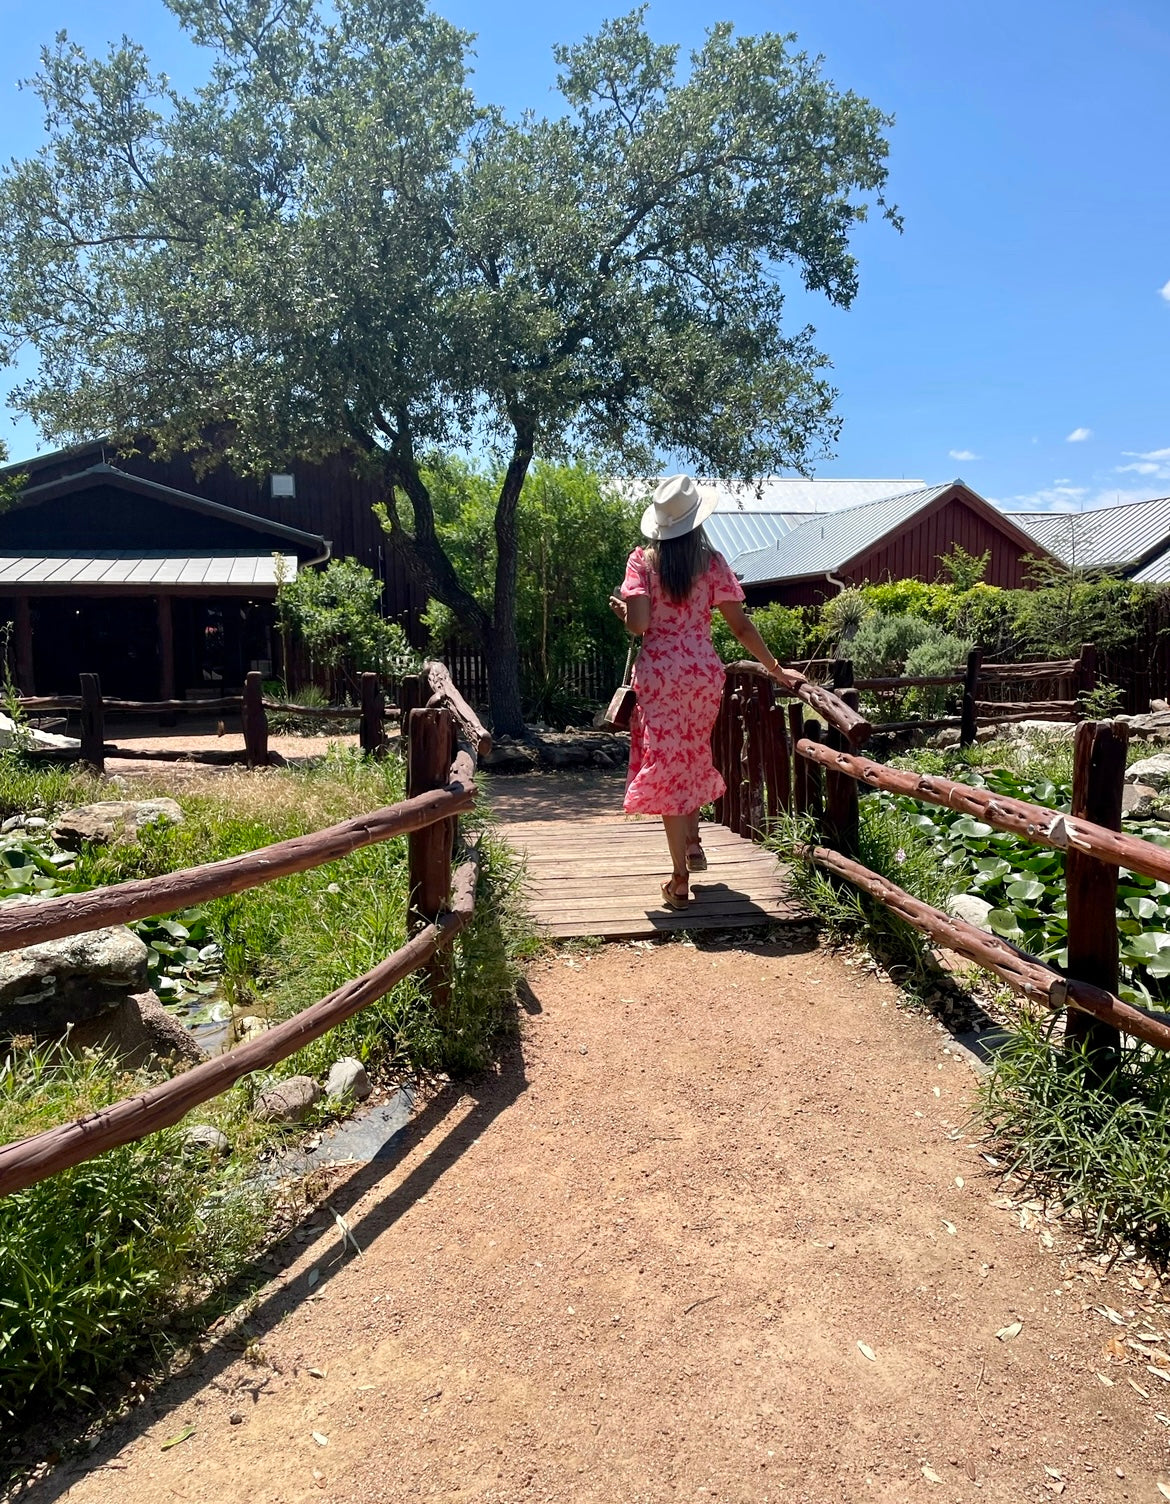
(1165, 292)
(1066, 498)
(962, 454)
(1079, 435)
(1152, 462)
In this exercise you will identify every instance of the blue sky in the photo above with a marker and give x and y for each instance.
(1017, 332)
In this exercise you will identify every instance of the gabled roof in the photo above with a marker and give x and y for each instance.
(103, 474)
(148, 570)
(824, 544)
(1105, 538)
(735, 533)
(776, 493)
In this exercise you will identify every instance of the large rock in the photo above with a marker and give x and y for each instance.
(347, 1078)
(1138, 801)
(45, 988)
(113, 821)
(971, 908)
(288, 1101)
(140, 1031)
(1030, 731)
(1154, 771)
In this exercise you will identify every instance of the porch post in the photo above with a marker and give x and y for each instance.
(22, 623)
(166, 640)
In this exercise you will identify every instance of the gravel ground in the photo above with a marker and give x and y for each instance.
(717, 1230)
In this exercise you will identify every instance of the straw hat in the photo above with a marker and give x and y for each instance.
(678, 508)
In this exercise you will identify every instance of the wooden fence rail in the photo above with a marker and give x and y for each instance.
(772, 763)
(441, 903)
(371, 714)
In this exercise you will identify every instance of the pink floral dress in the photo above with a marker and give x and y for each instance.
(678, 678)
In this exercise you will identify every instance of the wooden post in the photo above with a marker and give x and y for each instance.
(372, 731)
(93, 723)
(720, 736)
(842, 810)
(800, 768)
(1098, 779)
(843, 673)
(1086, 675)
(431, 748)
(735, 750)
(969, 728)
(753, 808)
(410, 697)
(814, 793)
(166, 649)
(774, 743)
(255, 721)
(22, 626)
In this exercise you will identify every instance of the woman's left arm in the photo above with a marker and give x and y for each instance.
(634, 612)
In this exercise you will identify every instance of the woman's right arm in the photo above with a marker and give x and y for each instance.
(744, 630)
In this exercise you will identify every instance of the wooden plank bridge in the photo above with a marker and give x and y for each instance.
(590, 870)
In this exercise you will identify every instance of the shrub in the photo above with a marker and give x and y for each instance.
(336, 613)
(883, 643)
(781, 627)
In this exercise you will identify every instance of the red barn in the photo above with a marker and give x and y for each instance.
(897, 538)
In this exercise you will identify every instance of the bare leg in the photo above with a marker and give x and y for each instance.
(676, 838)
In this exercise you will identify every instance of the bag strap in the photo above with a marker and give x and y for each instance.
(626, 677)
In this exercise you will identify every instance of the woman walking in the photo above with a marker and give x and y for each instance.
(670, 589)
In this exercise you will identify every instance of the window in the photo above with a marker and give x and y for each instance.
(284, 485)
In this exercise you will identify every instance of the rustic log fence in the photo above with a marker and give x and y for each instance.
(444, 742)
(774, 763)
(1001, 681)
(254, 709)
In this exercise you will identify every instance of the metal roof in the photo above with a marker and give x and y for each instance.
(1105, 538)
(109, 474)
(145, 569)
(780, 494)
(735, 533)
(1156, 572)
(822, 544)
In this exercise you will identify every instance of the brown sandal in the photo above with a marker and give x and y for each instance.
(671, 899)
(697, 858)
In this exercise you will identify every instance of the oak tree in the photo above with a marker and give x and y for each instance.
(332, 243)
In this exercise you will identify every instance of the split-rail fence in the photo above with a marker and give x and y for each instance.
(777, 762)
(444, 741)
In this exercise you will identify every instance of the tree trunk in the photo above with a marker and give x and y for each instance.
(503, 667)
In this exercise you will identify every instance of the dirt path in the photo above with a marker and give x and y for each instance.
(640, 1265)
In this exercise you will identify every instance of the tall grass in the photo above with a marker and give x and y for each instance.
(1101, 1146)
(100, 1259)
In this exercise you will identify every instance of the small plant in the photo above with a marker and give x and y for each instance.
(1101, 702)
(964, 570)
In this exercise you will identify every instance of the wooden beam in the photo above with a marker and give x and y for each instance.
(22, 627)
(166, 648)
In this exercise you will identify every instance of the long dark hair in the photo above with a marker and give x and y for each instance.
(680, 562)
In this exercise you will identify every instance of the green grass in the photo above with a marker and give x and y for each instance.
(1102, 1147)
(100, 1260)
(111, 1254)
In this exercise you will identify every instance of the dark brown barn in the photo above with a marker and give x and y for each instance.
(899, 538)
(163, 582)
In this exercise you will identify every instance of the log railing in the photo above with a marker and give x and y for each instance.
(774, 763)
(444, 742)
(253, 708)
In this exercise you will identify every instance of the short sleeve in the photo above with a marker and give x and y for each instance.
(637, 580)
(724, 585)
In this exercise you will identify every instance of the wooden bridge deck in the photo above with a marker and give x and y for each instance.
(590, 873)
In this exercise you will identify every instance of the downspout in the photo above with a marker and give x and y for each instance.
(322, 558)
(833, 580)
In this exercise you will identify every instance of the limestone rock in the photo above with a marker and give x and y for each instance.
(249, 1027)
(113, 821)
(1058, 731)
(205, 1138)
(140, 1031)
(13, 735)
(971, 909)
(288, 1101)
(347, 1078)
(1138, 801)
(1154, 771)
(45, 988)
